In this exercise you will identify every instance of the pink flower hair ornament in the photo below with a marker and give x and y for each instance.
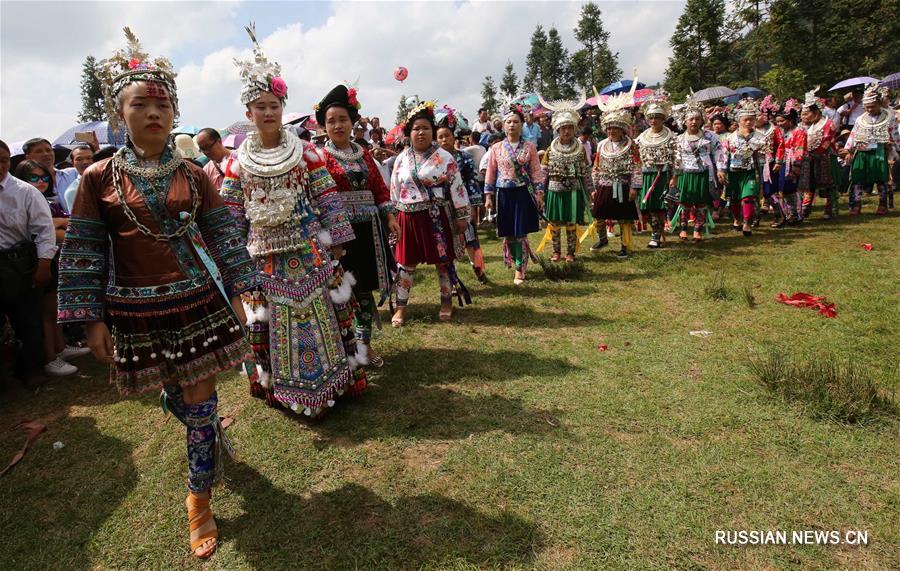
(278, 87)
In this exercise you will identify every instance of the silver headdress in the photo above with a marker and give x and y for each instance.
(615, 108)
(810, 99)
(259, 74)
(659, 106)
(565, 112)
(129, 65)
(746, 107)
(874, 93)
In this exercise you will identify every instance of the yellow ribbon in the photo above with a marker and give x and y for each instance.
(548, 237)
(590, 232)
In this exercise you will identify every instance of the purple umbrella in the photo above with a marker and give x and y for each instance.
(105, 134)
(853, 82)
(710, 93)
(234, 141)
(241, 128)
(892, 81)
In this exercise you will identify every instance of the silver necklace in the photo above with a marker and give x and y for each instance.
(354, 154)
(276, 161)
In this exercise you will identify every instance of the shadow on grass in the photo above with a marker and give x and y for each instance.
(402, 403)
(353, 528)
(55, 500)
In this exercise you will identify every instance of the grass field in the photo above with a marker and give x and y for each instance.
(507, 439)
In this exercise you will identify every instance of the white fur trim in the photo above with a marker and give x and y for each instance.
(352, 362)
(251, 315)
(362, 353)
(261, 314)
(342, 293)
(324, 238)
(264, 377)
(350, 278)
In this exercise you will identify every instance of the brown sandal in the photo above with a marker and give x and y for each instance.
(202, 525)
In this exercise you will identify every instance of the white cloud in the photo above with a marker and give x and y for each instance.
(447, 47)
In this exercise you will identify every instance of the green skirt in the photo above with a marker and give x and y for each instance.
(565, 206)
(869, 167)
(654, 202)
(694, 188)
(742, 184)
(837, 175)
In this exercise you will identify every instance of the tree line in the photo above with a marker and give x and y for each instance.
(785, 47)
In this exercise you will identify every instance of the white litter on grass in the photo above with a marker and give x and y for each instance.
(58, 445)
(701, 333)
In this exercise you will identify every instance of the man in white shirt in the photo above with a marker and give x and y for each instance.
(483, 124)
(852, 109)
(26, 227)
(41, 150)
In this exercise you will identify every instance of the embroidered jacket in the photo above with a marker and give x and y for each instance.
(104, 253)
(513, 167)
(418, 177)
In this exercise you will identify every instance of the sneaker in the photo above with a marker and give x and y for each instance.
(59, 368)
(600, 244)
(653, 243)
(610, 234)
(71, 352)
(623, 253)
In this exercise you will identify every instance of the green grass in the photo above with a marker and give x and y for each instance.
(506, 439)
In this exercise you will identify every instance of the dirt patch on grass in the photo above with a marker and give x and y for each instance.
(425, 457)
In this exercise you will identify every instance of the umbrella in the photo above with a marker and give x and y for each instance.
(853, 82)
(642, 96)
(743, 93)
(529, 99)
(620, 87)
(892, 81)
(105, 135)
(185, 130)
(290, 118)
(718, 92)
(394, 135)
(241, 128)
(234, 140)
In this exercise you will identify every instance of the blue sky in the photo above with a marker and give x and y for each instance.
(448, 47)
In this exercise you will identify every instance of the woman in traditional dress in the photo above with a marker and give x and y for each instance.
(742, 153)
(789, 162)
(130, 271)
(514, 176)
(698, 152)
(617, 171)
(657, 149)
(768, 132)
(568, 178)
(368, 201)
(296, 231)
(817, 176)
(433, 205)
(872, 145)
(448, 122)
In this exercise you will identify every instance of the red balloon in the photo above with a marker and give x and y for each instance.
(400, 73)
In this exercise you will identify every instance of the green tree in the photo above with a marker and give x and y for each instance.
(580, 69)
(602, 63)
(91, 93)
(489, 95)
(699, 53)
(556, 72)
(510, 82)
(534, 63)
(784, 82)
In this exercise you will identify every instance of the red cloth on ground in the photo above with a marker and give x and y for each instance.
(801, 299)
